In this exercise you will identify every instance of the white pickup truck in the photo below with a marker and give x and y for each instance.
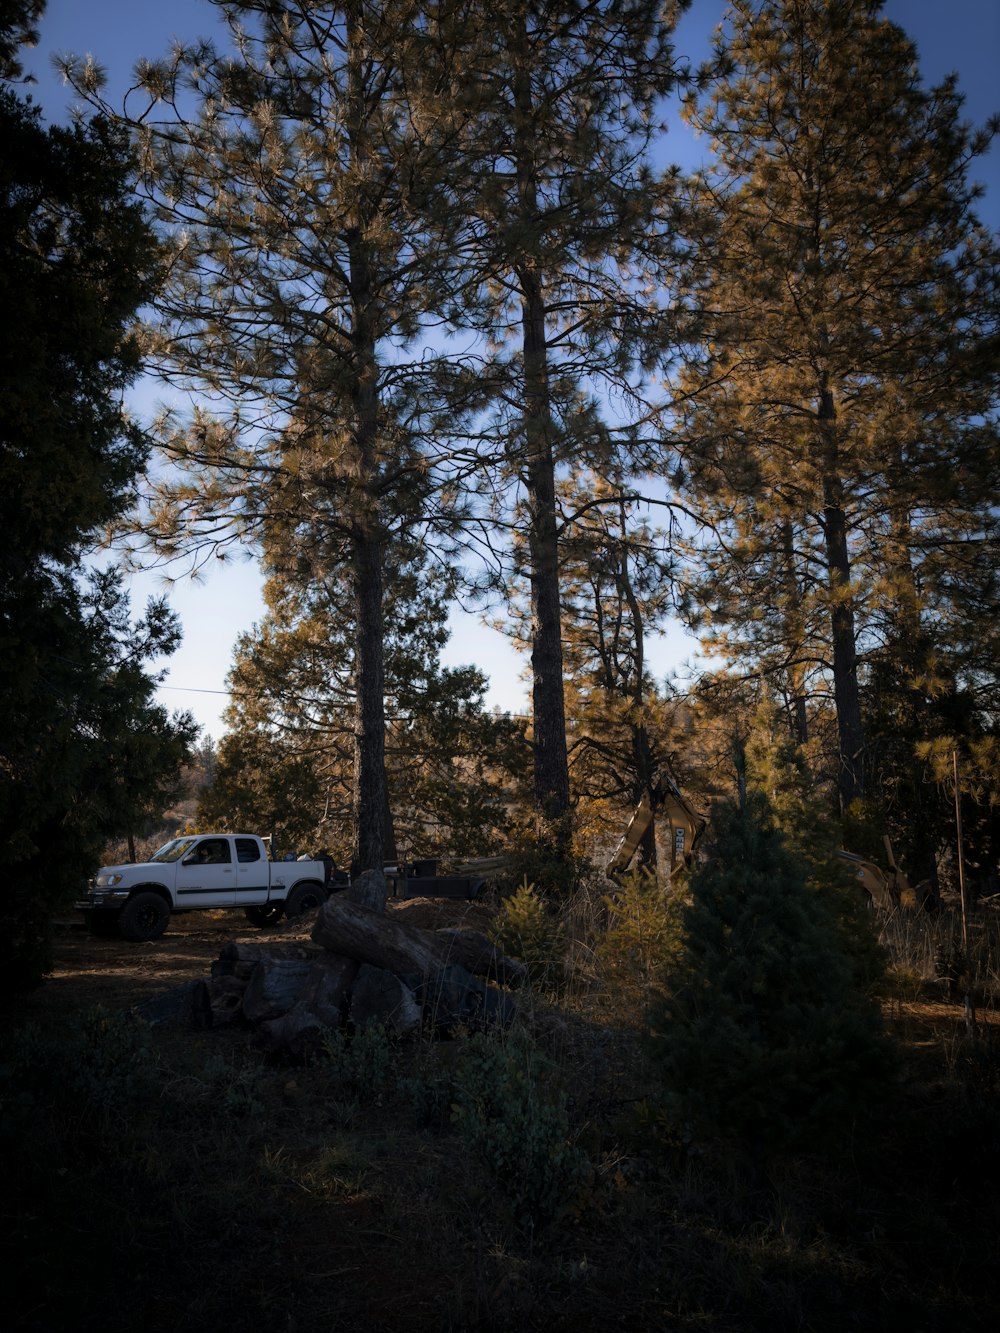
(198, 871)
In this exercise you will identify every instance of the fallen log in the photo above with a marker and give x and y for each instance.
(237, 955)
(473, 951)
(382, 998)
(364, 966)
(381, 940)
(218, 1002)
(453, 1000)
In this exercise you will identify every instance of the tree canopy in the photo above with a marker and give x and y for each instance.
(841, 409)
(85, 750)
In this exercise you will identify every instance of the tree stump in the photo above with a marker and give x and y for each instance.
(369, 890)
(297, 1036)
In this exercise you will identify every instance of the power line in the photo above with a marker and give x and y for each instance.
(190, 689)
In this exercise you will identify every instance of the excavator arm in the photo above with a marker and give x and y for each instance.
(686, 825)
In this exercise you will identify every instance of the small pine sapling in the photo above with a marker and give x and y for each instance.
(761, 1036)
(526, 929)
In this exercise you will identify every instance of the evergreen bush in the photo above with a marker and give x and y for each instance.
(762, 1035)
(526, 929)
(510, 1114)
(92, 1073)
(643, 929)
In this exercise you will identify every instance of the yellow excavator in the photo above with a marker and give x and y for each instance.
(886, 890)
(665, 801)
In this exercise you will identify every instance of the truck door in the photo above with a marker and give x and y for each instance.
(206, 877)
(252, 873)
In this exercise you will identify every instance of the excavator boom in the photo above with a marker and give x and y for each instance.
(686, 826)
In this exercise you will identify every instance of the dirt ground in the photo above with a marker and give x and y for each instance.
(119, 975)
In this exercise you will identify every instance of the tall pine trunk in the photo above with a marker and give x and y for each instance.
(792, 596)
(551, 764)
(847, 696)
(642, 755)
(370, 796)
(370, 799)
(547, 694)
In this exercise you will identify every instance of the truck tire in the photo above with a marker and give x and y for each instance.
(143, 917)
(305, 897)
(268, 915)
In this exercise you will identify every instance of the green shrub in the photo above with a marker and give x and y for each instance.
(556, 877)
(364, 1060)
(762, 1035)
(643, 929)
(88, 1073)
(520, 1133)
(526, 929)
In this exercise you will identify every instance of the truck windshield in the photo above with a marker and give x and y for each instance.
(174, 849)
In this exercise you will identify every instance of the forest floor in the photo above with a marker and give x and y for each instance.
(208, 1189)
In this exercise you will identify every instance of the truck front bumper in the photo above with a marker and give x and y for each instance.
(102, 900)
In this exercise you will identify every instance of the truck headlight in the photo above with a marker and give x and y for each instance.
(107, 881)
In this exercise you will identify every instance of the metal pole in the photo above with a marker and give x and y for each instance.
(970, 1004)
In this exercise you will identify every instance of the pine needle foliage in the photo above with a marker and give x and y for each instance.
(643, 929)
(526, 929)
(776, 767)
(841, 405)
(85, 752)
(761, 1037)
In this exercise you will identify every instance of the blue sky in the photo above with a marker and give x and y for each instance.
(951, 35)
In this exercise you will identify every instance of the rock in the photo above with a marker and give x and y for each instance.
(381, 997)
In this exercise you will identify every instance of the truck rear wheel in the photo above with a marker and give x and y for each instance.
(143, 917)
(264, 916)
(304, 898)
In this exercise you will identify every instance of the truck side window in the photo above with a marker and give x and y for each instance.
(247, 850)
(214, 852)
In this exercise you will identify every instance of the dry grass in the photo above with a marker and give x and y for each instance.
(213, 1190)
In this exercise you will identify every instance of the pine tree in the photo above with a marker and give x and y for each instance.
(761, 1036)
(290, 180)
(85, 751)
(18, 27)
(292, 684)
(778, 775)
(617, 590)
(842, 427)
(561, 248)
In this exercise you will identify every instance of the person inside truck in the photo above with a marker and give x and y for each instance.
(213, 852)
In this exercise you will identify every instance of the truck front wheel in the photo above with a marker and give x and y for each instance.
(143, 917)
(304, 898)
